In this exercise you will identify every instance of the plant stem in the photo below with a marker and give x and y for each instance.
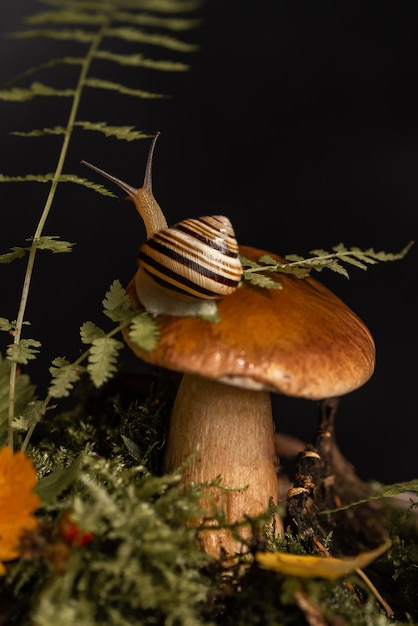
(32, 253)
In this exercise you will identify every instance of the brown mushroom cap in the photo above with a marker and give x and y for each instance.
(301, 340)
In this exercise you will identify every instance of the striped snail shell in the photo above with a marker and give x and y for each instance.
(184, 269)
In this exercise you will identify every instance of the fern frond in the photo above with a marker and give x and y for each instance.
(43, 66)
(78, 180)
(116, 304)
(161, 6)
(24, 391)
(64, 34)
(139, 60)
(64, 376)
(30, 415)
(20, 94)
(83, 17)
(29, 178)
(40, 132)
(64, 178)
(103, 358)
(119, 132)
(154, 39)
(144, 331)
(169, 23)
(15, 253)
(301, 267)
(261, 280)
(23, 351)
(6, 325)
(89, 332)
(64, 16)
(52, 243)
(98, 83)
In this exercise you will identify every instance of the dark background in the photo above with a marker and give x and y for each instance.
(297, 120)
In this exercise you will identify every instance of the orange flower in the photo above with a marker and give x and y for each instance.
(18, 502)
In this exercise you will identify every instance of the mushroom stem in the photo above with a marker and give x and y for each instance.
(232, 430)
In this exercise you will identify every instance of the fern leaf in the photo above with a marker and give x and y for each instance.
(24, 391)
(267, 260)
(64, 17)
(138, 60)
(247, 263)
(334, 267)
(98, 83)
(83, 36)
(117, 305)
(23, 351)
(268, 264)
(38, 178)
(389, 256)
(144, 331)
(17, 94)
(30, 415)
(301, 267)
(42, 66)
(64, 178)
(155, 39)
(169, 23)
(15, 253)
(261, 280)
(102, 359)
(40, 132)
(89, 332)
(78, 180)
(6, 325)
(120, 132)
(162, 6)
(52, 243)
(64, 376)
(294, 258)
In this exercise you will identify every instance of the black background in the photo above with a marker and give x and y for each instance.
(299, 121)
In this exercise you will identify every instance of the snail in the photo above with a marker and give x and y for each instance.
(185, 268)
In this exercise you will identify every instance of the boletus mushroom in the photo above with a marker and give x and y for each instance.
(301, 341)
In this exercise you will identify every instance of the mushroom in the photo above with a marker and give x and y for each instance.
(300, 341)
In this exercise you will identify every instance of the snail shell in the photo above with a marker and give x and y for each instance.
(196, 258)
(184, 269)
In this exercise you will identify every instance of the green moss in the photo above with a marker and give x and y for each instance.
(143, 565)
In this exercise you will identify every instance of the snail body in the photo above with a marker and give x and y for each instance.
(184, 269)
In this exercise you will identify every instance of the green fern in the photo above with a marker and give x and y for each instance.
(94, 25)
(301, 267)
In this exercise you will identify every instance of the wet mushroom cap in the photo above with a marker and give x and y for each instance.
(301, 340)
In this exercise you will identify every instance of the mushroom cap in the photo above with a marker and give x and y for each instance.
(300, 341)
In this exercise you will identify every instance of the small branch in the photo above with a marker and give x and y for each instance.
(389, 612)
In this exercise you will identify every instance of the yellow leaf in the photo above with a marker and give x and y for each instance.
(318, 566)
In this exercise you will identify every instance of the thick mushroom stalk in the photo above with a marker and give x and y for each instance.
(228, 431)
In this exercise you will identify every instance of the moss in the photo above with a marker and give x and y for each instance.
(141, 563)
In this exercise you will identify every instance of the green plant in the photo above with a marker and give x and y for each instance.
(93, 27)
